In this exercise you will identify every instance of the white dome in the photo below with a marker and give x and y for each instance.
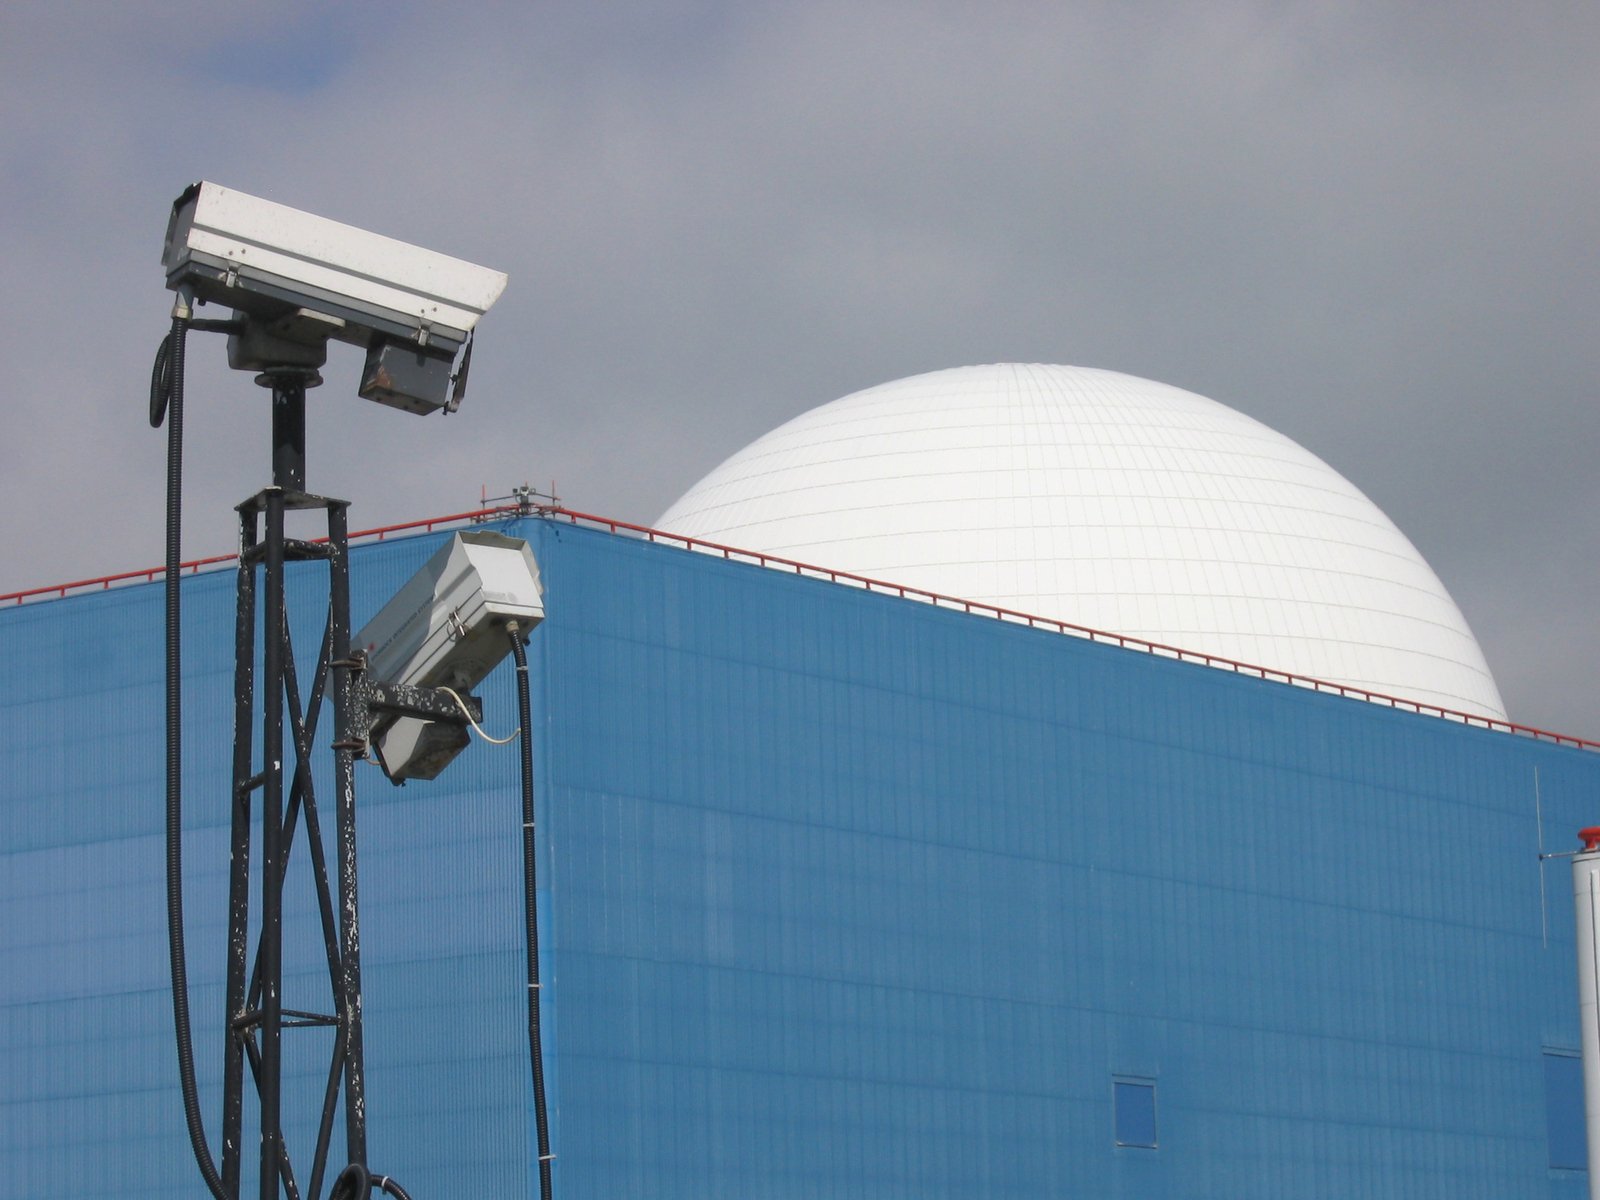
(1108, 501)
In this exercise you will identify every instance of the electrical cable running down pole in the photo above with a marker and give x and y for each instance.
(531, 914)
(166, 404)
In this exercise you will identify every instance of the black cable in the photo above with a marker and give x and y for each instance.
(355, 1182)
(166, 400)
(161, 381)
(531, 903)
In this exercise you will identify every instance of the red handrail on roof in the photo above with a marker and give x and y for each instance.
(905, 591)
(193, 566)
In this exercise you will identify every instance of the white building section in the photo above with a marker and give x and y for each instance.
(1586, 898)
(1109, 501)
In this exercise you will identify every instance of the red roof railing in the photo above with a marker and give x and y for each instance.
(195, 566)
(847, 578)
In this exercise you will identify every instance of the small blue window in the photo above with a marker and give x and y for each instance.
(1563, 1108)
(1133, 1103)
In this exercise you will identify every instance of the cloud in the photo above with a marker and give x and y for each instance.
(1370, 227)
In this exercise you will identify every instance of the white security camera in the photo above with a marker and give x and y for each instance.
(299, 280)
(447, 628)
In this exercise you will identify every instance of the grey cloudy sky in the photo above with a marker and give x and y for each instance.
(1371, 225)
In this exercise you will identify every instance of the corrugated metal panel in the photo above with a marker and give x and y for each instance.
(856, 898)
(89, 1102)
(843, 895)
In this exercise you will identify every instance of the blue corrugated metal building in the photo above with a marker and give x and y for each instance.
(842, 895)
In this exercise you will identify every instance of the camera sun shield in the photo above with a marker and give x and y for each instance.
(297, 271)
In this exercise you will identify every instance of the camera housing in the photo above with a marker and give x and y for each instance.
(446, 627)
(298, 280)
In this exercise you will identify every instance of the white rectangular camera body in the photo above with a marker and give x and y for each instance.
(305, 277)
(446, 627)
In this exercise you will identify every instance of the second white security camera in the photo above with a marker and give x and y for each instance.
(447, 628)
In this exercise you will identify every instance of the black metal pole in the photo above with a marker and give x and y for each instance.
(270, 957)
(289, 427)
(236, 1031)
(355, 1107)
(255, 1016)
(302, 723)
